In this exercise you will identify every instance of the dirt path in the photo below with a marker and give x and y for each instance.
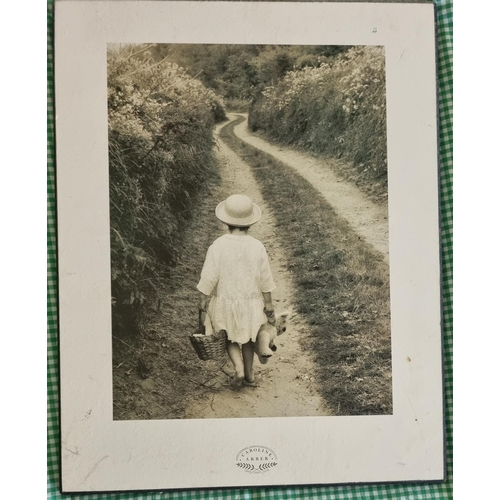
(366, 218)
(286, 385)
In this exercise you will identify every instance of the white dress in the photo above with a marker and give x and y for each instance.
(236, 272)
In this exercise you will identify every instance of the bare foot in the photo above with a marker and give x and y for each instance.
(249, 383)
(237, 379)
(250, 378)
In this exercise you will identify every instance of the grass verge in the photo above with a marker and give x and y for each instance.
(342, 287)
(375, 190)
(157, 375)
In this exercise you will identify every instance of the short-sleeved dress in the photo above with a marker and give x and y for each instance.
(236, 272)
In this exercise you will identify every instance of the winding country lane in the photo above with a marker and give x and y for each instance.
(368, 220)
(286, 385)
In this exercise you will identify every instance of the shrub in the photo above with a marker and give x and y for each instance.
(337, 108)
(160, 154)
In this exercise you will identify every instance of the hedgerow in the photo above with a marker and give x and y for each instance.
(160, 157)
(336, 109)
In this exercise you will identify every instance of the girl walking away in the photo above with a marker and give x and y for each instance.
(236, 284)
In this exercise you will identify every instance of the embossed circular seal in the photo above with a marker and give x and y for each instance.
(256, 459)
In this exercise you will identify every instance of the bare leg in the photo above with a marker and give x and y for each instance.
(248, 354)
(234, 353)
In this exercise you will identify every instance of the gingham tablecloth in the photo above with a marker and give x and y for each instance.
(440, 491)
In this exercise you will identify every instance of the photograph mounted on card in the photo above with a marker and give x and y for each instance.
(248, 244)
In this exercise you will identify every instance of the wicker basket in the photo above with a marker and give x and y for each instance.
(208, 346)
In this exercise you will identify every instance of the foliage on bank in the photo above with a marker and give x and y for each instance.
(160, 157)
(336, 109)
(239, 73)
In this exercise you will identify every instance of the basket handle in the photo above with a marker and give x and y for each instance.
(201, 326)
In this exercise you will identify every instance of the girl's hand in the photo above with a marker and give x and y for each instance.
(268, 307)
(271, 318)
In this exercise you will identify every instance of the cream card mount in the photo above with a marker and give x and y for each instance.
(100, 453)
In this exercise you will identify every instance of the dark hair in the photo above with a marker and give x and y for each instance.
(232, 228)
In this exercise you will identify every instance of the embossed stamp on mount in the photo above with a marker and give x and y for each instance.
(256, 459)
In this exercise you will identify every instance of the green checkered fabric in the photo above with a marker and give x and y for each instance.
(440, 491)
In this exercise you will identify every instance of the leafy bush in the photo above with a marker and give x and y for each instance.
(337, 108)
(160, 154)
(241, 72)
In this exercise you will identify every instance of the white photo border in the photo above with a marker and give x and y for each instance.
(99, 454)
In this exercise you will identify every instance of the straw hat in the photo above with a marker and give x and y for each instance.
(238, 211)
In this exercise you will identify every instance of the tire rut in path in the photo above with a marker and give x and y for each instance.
(286, 384)
(367, 219)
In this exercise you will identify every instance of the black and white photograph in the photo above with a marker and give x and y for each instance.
(248, 244)
(249, 231)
